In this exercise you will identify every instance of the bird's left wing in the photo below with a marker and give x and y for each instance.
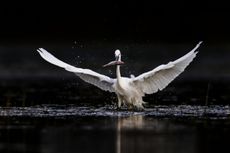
(101, 81)
(157, 79)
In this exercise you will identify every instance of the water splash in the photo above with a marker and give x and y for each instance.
(211, 112)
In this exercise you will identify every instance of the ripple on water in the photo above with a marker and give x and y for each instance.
(66, 111)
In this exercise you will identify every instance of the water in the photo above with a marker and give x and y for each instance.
(159, 111)
(54, 129)
(43, 115)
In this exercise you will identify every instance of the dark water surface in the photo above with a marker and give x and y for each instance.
(61, 115)
(54, 129)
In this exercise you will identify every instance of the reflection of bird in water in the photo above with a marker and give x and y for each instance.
(124, 123)
(131, 122)
(129, 90)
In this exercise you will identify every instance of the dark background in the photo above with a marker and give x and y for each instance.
(139, 21)
(86, 34)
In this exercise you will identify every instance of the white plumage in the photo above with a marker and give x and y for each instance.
(129, 90)
(99, 80)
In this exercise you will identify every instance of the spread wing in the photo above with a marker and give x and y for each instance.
(101, 81)
(158, 78)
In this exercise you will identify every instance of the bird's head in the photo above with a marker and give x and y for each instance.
(117, 54)
(117, 59)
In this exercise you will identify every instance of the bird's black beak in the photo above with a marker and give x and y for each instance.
(114, 63)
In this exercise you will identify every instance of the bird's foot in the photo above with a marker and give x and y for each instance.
(139, 108)
(118, 108)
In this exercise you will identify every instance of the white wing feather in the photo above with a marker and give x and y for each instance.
(157, 79)
(99, 80)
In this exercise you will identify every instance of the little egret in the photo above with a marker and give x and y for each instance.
(129, 91)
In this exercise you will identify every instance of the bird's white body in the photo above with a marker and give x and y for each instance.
(128, 94)
(129, 91)
(126, 91)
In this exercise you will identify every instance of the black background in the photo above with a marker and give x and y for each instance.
(86, 34)
(139, 21)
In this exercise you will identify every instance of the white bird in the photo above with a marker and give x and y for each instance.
(129, 91)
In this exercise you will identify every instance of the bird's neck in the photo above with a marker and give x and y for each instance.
(118, 72)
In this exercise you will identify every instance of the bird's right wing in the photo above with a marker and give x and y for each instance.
(101, 81)
(157, 79)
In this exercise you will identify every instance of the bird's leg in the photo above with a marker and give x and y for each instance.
(139, 108)
(119, 101)
(130, 107)
(138, 105)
